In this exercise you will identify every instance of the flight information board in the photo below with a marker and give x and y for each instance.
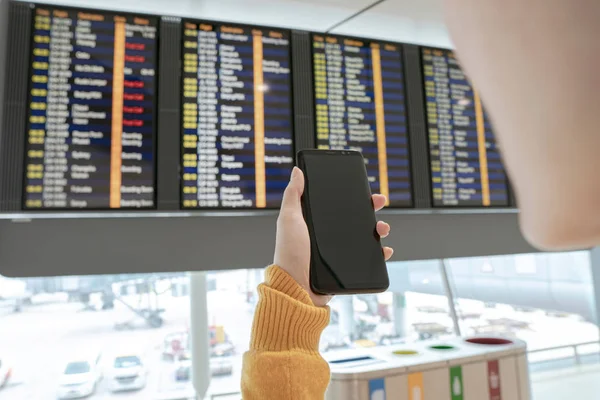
(466, 169)
(237, 148)
(91, 128)
(360, 105)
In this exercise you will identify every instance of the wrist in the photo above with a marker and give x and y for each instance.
(286, 318)
(281, 280)
(275, 275)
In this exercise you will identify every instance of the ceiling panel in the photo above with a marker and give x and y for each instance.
(316, 15)
(410, 21)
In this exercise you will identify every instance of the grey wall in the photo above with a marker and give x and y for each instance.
(77, 246)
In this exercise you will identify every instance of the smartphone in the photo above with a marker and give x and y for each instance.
(346, 252)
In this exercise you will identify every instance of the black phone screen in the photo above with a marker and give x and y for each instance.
(341, 220)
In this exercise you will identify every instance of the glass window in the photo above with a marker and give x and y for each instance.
(232, 298)
(127, 362)
(81, 367)
(547, 300)
(116, 322)
(133, 317)
(414, 308)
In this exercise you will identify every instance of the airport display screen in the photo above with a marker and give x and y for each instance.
(237, 143)
(466, 169)
(91, 114)
(360, 105)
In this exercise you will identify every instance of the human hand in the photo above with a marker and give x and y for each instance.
(292, 244)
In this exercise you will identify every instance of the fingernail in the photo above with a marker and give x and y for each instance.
(294, 173)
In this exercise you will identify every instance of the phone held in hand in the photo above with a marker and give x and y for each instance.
(346, 251)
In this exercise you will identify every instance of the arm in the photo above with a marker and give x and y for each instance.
(536, 65)
(283, 361)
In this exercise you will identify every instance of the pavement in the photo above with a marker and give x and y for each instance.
(579, 382)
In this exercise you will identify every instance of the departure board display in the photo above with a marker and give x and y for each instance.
(90, 135)
(237, 116)
(466, 169)
(360, 105)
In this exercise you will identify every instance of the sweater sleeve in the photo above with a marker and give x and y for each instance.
(284, 361)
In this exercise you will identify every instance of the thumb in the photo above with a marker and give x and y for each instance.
(293, 192)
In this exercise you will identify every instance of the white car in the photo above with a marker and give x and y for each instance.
(219, 366)
(80, 377)
(5, 373)
(127, 372)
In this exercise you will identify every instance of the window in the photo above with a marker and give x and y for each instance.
(525, 264)
(232, 298)
(135, 317)
(127, 362)
(547, 300)
(414, 308)
(77, 368)
(125, 318)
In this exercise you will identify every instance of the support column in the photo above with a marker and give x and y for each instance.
(199, 333)
(450, 296)
(346, 321)
(399, 315)
(595, 273)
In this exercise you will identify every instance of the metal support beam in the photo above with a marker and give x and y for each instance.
(449, 296)
(595, 272)
(347, 325)
(199, 334)
(399, 315)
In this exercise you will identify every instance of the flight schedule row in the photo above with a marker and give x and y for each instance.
(466, 169)
(360, 105)
(237, 116)
(90, 135)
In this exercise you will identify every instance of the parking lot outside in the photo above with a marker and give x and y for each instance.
(39, 340)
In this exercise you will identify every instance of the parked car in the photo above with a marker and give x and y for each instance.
(176, 345)
(127, 372)
(80, 377)
(5, 373)
(218, 366)
(222, 350)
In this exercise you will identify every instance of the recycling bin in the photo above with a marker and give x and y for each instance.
(476, 368)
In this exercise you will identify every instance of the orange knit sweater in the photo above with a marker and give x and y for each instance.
(284, 361)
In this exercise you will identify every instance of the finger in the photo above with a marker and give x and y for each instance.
(379, 201)
(293, 192)
(320, 300)
(387, 253)
(383, 229)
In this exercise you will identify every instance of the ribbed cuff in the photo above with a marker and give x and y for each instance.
(285, 317)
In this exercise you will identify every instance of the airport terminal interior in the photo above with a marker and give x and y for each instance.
(144, 151)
